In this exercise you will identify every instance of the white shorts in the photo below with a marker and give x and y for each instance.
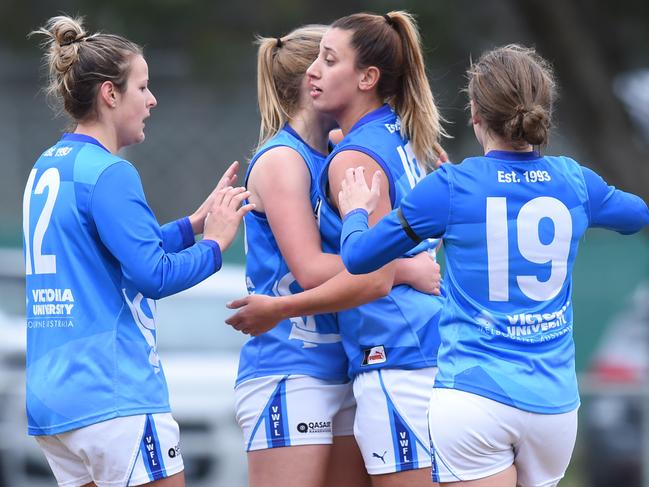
(391, 426)
(132, 450)
(474, 437)
(290, 410)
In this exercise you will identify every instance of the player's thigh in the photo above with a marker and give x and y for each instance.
(295, 466)
(287, 411)
(176, 480)
(544, 452)
(343, 421)
(412, 478)
(346, 467)
(391, 425)
(130, 450)
(67, 467)
(505, 478)
(472, 437)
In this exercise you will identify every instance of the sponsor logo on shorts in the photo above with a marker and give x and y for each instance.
(381, 457)
(174, 451)
(315, 427)
(374, 355)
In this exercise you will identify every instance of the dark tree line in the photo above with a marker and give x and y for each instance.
(206, 46)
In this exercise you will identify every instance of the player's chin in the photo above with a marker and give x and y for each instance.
(139, 138)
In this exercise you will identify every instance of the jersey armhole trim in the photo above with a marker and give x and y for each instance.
(378, 159)
(262, 214)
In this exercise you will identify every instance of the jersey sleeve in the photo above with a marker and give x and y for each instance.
(130, 231)
(423, 213)
(177, 235)
(613, 209)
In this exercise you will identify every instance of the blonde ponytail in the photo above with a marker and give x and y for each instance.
(273, 115)
(281, 66)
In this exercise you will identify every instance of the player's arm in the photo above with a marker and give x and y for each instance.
(177, 235)
(129, 230)
(279, 184)
(614, 209)
(260, 313)
(423, 213)
(286, 203)
(344, 291)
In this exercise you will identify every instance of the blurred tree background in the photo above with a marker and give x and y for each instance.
(202, 67)
(202, 62)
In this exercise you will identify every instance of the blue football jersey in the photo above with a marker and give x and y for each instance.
(309, 345)
(400, 329)
(511, 224)
(95, 260)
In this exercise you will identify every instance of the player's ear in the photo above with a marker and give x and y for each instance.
(369, 78)
(107, 95)
(475, 117)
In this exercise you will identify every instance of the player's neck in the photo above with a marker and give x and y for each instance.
(491, 142)
(353, 112)
(98, 131)
(313, 129)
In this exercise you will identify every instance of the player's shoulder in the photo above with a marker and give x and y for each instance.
(93, 161)
(281, 159)
(285, 145)
(565, 167)
(561, 160)
(470, 165)
(382, 125)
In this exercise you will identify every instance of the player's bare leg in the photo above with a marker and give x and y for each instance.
(346, 466)
(292, 466)
(506, 478)
(420, 477)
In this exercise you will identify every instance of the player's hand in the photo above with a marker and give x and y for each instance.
(225, 215)
(442, 156)
(257, 314)
(355, 193)
(423, 273)
(197, 219)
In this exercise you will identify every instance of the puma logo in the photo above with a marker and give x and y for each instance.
(376, 455)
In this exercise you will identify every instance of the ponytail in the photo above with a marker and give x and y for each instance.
(281, 66)
(273, 115)
(392, 43)
(414, 102)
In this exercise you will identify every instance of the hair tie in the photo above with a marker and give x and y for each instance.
(389, 20)
(521, 110)
(279, 42)
(75, 40)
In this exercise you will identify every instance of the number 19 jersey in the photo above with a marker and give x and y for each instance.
(512, 224)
